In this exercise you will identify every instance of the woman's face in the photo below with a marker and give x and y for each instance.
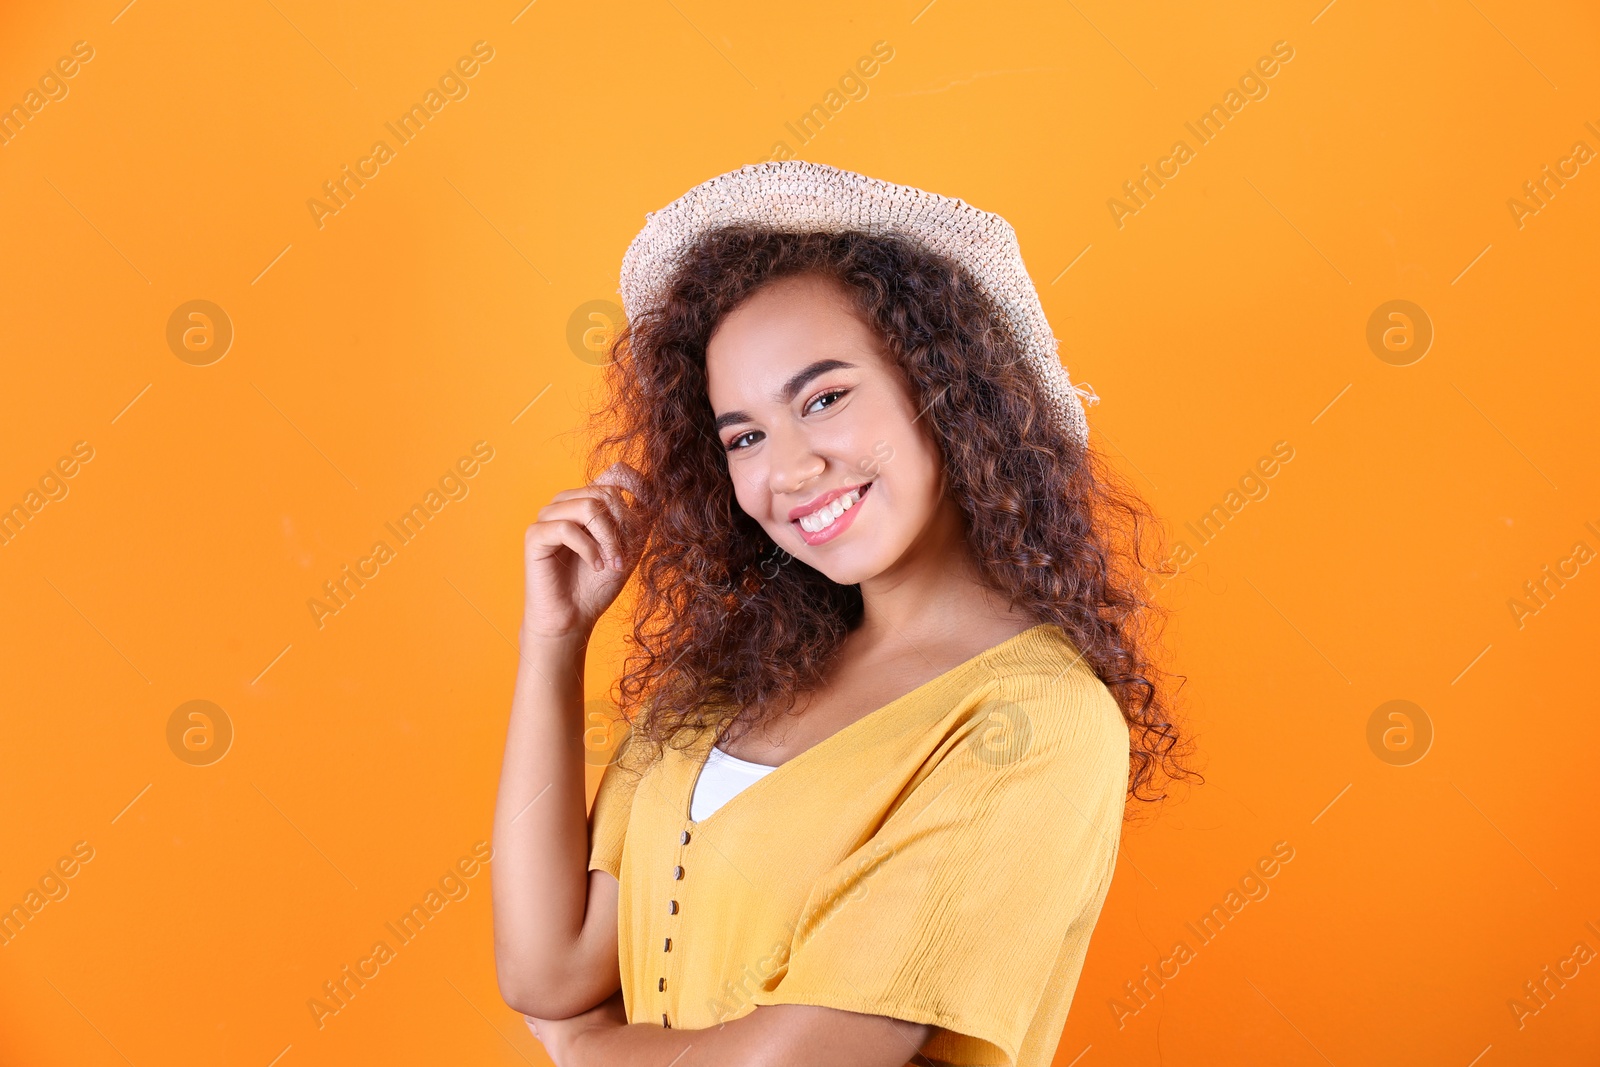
(811, 409)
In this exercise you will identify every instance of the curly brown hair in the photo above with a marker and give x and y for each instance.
(720, 632)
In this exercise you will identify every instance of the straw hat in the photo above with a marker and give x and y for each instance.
(794, 195)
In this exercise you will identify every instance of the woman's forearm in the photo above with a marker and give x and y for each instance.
(651, 1045)
(540, 876)
(774, 1036)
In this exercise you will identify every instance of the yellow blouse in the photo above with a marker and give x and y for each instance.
(941, 860)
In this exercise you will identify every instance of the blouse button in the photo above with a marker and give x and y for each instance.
(672, 907)
(668, 946)
(661, 985)
(677, 873)
(664, 1021)
(683, 838)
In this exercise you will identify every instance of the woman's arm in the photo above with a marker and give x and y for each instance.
(555, 924)
(777, 1035)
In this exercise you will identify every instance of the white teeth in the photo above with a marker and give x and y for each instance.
(828, 514)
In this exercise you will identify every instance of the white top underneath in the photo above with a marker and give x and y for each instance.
(723, 778)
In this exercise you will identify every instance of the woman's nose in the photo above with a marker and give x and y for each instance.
(794, 462)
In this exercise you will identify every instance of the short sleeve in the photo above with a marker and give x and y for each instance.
(960, 909)
(608, 817)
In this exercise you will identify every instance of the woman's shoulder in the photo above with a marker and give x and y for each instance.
(1042, 683)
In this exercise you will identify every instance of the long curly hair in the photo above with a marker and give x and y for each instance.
(725, 633)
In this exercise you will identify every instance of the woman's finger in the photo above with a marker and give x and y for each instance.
(623, 475)
(617, 479)
(610, 496)
(545, 537)
(605, 493)
(617, 509)
(595, 516)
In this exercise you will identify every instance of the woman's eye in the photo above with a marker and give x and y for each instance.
(831, 395)
(824, 396)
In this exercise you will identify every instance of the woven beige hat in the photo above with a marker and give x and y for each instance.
(794, 195)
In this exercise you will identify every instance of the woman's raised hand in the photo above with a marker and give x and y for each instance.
(575, 560)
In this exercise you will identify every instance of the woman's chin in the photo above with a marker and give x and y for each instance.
(851, 565)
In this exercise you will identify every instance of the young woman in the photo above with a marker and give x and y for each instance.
(889, 687)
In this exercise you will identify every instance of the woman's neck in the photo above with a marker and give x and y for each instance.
(934, 593)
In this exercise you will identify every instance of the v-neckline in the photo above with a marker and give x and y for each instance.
(872, 715)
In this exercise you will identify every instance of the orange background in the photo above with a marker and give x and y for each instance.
(1229, 313)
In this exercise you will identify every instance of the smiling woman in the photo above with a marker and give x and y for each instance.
(849, 403)
(947, 689)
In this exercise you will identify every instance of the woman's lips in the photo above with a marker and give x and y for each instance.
(839, 526)
(816, 503)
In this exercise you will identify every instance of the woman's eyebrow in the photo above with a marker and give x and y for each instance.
(790, 390)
